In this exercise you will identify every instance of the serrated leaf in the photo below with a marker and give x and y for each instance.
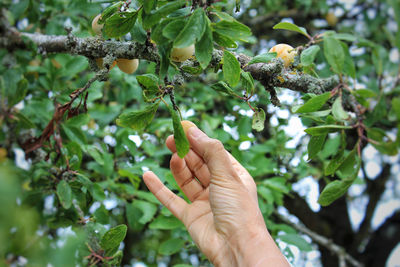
(313, 104)
(258, 120)
(334, 53)
(120, 24)
(247, 81)
(291, 27)
(138, 120)
(337, 110)
(204, 47)
(308, 56)
(315, 145)
(193, 30)
(231, 69)
(64, 194)
(181, 141)
(263, 58)
(223, 40)
(113, 237)
(323, 129)
(333, 191)
(171, 246)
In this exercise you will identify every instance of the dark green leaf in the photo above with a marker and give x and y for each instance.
(138, 120)
(315, 145)
(182, 144)
(204, 47)
(247, 81)
(120, 24)
(223, 88)
(233, 29)
(149, 5)
(291, 27)
(334, 163)
(223, 40)
(113, 237)
(314, 104)
(109, 11)
(323, 129)
(171, 246)
(231, 69)
(193, 30)
(348, 66)
(258, 120)
(64, 194)
(173, 28)
(333, 191)
(308, 56)
(264, 58)
(149, 20)
(334, 53)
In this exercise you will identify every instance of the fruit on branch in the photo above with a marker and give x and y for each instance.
(285, 52)
(99, 62)
(331, 19)
(182, 54)
(128, 66)
(186, 125)
(96, 26)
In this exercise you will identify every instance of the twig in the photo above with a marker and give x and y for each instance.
(321, 240)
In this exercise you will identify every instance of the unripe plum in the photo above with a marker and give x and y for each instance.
(182, 54)
(128, 66)
(99, 62)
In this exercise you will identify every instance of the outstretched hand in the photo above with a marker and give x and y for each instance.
(223, 217)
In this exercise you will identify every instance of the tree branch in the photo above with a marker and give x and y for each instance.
(323, 241)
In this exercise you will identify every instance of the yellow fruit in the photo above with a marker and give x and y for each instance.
(182, 54)
(331, 19)
(96, 26)
(128, 66)
(285, 52)
(186, 125)
(99, 62)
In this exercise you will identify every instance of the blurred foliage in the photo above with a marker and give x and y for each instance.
(66, 201)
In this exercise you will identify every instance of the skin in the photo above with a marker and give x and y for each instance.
(223, 216)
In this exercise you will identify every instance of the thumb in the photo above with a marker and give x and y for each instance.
(213, 153)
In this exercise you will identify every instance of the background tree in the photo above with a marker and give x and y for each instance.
(78, 133)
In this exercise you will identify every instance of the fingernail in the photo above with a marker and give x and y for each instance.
(195, 132)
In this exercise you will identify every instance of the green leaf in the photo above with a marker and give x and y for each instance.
(334, 53)
(138, 120)
(138, 34)
(64, 194)
(258, 120)
(296, 240)
(233, 29)
(350, 165)
(263, 58)
(173, 28)
(247, 81)
(149, 20)
(171, 246)
(204, 47)
(334, 163)
(396, 107)
(366, 93)
(223, 88)
(223, 40)
(314, 104)
(348, 66)
(109, 11)
(165, 223)
(333, 191)
(165, 53)
(291, 27)
(315, 145)
(193, 30)
(308, 56)
(337, 110)
(113, 237)
(149, 5)
(148, 210)
(182, 144)
(231, 69)
(379, 57)
(120, 24)
(20, 93)
(323, 129)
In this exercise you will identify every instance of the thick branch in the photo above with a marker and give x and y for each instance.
(323, 241)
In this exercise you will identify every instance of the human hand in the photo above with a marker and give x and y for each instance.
(223, 217)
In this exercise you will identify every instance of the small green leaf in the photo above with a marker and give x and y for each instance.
(334, 53)
(233, 29)
(396, 107)
(348, 66)
(193, 30)
(308, 56)
(113, 237)
(366, 93)
(149, 5)
(149, 20)
(258, 120)
(314, 104)
(138, 120)
(291, 27)
(165, 223)
(323, 129)
(337, 110)
(223, 87)
(223, 40)
(334, 163)
(296, 240)
(120, 24)
(350, 165)
(171, 246)
(315, 145)
(263, 58)
(173, 28)
(64, 194)
(181, 141)
(109, 11)
(247, 81)
(231, 69)
(333, 191)
(204, 47)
